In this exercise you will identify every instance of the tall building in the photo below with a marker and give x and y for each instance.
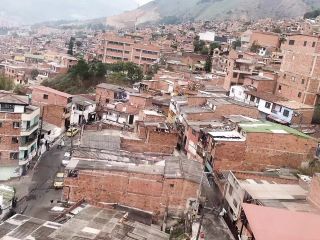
(19, 123)
(299, 77)
(114, 49)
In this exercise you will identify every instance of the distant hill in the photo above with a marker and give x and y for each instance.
(35, 11)
(179, 10)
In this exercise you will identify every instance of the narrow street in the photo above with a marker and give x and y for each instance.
(35, 192)
(41, 191)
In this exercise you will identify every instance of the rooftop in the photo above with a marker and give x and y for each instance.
(267, 96)
(269, 127)
(259, 78)
(14, 99)
(274, 191)
(83, 101)
(294, 105)
(51, 90)
(169, 166)
(230, 136)
(109, 86)
(239, 118)
(90, 223)
(97, 140)
(272, 223)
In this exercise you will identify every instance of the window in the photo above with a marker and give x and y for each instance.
(299, 95)
(302, 81)
(267, 105)
(14, 140)
(291, 42)
(235, 203)
(7, 107)
(0, 139)
(284, 76)
(313, 44)
(279, 87)
(45, 96)
(252, 98)
(194, 132)
(293, 79)
(230, 190)
(286, 113)
(235, 75)
(16, 125)
(305, 43)
(171, 185)
(14, 155)
(0, 124)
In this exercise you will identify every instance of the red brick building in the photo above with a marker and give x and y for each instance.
(142, 183)
(153, 137)
(114, 48)
(260, 145)
(55, 105)
(299, 77)
(19, 122)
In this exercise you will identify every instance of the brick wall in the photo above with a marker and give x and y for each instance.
(261, 86)
(104, 96)
(305, 118)
(140, 101)
(314, 192)
(257, 176)
(53, 99)
(155, 143)
(262, 150)
(265, 39)
(129, 189)
(54, 114)
(234, 109)
(7, 131)
(196, 101)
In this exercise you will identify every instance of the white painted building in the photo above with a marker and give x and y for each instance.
(207, 36)
(83, 110)
(7, 194)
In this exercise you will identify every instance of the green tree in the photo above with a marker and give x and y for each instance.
(134, 72)
(34, 73)
(5, 83)
(236, 44)
(213, 46)
(71, 45)
(255, 47)
(20, 89)
(208, 64)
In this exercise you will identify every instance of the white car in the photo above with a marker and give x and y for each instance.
(66, 159)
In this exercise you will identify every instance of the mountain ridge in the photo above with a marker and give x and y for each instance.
(182, 10)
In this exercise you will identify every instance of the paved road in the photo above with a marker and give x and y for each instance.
(41, 191)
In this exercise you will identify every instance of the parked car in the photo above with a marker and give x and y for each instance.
(59, 180)
(65, 161)
(72, 132)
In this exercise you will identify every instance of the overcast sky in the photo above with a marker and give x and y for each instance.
(141, 2)
(33, 11)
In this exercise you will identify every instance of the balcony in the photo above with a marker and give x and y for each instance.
(25, 144)
(27, 131)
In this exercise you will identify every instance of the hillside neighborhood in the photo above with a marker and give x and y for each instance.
(204, 129)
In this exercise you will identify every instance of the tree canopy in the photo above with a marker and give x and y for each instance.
(84, 76)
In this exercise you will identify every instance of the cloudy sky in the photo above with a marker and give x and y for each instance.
(33, 11)
(141, 2)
